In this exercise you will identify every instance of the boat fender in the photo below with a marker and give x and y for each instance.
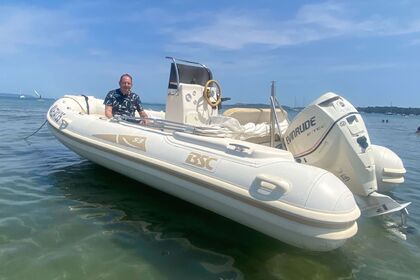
(87, 103)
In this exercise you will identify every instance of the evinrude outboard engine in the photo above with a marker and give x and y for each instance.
(331, 134)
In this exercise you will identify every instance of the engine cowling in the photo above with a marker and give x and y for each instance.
(331, 134)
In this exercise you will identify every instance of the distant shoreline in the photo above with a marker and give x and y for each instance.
(388, 110)
(14, 95)
(9, 95)
(25, 96)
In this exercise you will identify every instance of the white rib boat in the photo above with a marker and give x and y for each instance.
(215, 162)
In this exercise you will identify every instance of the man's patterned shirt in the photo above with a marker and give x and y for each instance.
(123, 104)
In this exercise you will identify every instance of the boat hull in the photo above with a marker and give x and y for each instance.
(220, 196)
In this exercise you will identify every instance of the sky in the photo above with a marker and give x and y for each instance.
(366, 51)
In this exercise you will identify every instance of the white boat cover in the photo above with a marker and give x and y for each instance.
(222, 126)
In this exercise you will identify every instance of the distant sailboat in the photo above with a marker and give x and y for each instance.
(37, 94)
(21, 96)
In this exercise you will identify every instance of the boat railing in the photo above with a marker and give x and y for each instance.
(274, 120)
(166, 125)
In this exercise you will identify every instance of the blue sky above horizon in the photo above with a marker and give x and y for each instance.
(366, 51)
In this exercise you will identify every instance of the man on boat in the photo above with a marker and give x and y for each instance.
(123, 101)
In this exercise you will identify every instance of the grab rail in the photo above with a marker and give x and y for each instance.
(167, 125)
(274, 121)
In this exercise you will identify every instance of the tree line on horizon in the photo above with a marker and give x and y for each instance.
(390, 110)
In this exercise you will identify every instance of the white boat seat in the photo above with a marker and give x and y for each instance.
(254, 115)
(258, 116)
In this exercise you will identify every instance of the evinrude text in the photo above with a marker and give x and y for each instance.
(300, 129)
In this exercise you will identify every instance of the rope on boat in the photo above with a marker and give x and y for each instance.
(87, 103)
(75, 100)
(35, 131)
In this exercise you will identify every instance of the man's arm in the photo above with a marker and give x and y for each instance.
(108, 111)
(109, 100)
(140, 108)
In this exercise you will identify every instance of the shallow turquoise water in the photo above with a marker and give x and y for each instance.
(63, 217)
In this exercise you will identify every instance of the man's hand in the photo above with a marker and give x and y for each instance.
(144, 115)
(108, 111)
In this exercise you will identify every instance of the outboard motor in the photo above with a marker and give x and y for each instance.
(331, 134)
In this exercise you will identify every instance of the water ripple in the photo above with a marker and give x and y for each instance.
(63, 217)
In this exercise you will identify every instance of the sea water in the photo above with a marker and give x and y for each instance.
(64, 217)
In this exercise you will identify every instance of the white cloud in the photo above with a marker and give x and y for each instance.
(29, 26)
(233, 33)
(227, 29)
(326, 15)
(233, 29)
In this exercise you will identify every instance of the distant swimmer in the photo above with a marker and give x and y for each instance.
(418, 130)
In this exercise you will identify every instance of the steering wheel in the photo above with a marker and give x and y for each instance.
(212, 93)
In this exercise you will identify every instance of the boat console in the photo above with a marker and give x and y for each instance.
(193, 95)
